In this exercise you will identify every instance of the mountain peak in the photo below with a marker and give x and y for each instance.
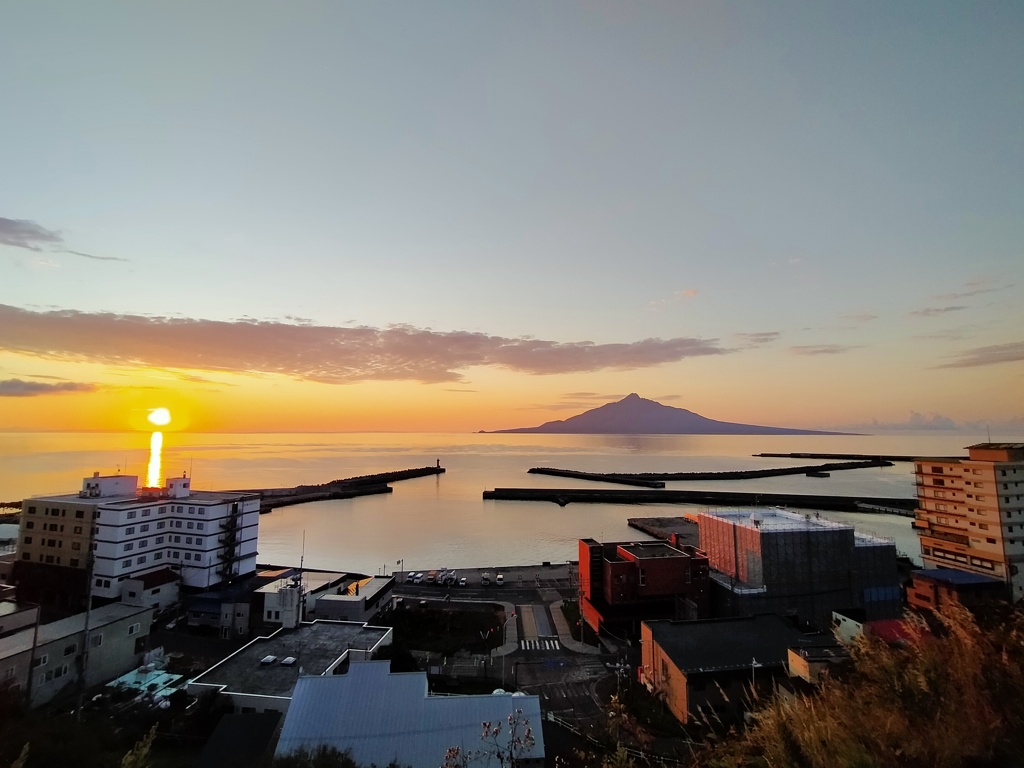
(635, 415)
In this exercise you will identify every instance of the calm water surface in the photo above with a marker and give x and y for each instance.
(442, 520)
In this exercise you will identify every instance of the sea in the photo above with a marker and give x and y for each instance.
(442, 521)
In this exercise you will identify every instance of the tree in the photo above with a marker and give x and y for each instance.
(138, 756)
(509, 747)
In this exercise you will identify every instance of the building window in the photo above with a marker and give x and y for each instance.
(70, 649)
(80, 513)
(78, 529)
(134, 629)
(129, 547)
(990, 541)
(160, 525)
(162, 511)
(30, 525)
(146, 512)
(76, 545)
(199, 542)
(31, 510)
(643, 577)
(130, 515)
(96, 641)
(141, 559)
(175, 554)
(126, 563)
(143, 543)
(158, 540)
(28, 539)
(158, 556)
(144, 527)
(129, 531)
(42, 661)
(191, 510)
(199, 525)
(983, 526)
(191, 525)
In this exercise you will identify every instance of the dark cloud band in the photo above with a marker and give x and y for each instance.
(317, 353)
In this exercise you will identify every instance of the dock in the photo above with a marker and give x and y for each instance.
(564, 496)
(601, 477)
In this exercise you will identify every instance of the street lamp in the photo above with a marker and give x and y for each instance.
(504, 641)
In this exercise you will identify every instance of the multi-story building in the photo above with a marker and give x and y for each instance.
(112, 531)
(44, 661)
(624, 583)
(970, 512)
(771, 560)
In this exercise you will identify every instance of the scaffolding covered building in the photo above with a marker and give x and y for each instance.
(774, 561)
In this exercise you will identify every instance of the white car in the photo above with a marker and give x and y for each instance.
(463, 582)
(410, 577)
(499, 579)
(417, 579)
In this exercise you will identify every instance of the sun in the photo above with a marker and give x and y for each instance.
(161, 417)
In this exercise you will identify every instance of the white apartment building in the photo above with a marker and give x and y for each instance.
(970, 512)
(113, 531)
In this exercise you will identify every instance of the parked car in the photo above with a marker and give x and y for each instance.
(499, 579)
(410, 577)
(485, 579)
(417, 579)
(463, 582)
(452, 577)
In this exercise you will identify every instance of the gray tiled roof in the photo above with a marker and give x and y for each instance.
(380, 717)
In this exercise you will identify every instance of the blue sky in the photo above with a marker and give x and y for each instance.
(822, 191)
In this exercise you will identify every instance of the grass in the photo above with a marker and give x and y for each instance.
(953, 696)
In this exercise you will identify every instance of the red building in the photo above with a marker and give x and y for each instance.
(624, 583)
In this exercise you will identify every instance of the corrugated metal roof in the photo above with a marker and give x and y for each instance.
(380, 717)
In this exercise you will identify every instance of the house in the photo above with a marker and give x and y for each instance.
(970, 513)
(381, 716)
(936, 588)
(260, 676)
(73, 546)
(799, 565)
(93, 648)
(698, 666)
(156, 589)
(360, 601)
(623, 583)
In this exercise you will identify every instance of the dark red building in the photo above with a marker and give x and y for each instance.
(624, 583)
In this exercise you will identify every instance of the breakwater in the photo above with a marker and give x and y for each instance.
(658, 479)
(854, 456)
(602, 477)
(347, 488)
(563, 496)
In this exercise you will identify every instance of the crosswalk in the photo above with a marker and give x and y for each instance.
(540, 644)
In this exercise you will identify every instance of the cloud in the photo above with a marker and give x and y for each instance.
(916, 421)
(990, 355)
(325, 354)
(94, 258)
(972, 288)
(950, 334)
(688, 293)
(822, 349)
(756, 339)
(860, 317)
(23, 233)
(934, 311)
(19, 388)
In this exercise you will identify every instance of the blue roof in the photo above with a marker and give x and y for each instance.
(954, 576)
(379, 717)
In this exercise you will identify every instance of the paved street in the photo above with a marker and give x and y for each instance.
(535, 658)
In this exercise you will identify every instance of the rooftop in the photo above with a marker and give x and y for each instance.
(998, 446)
(955, 577)
(775, 519)
(316, 647)
(647, 550)
(383, 716)
(726, 644)
(72, 625)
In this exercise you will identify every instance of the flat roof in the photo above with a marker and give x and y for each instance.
(726, 644)
(311, 580)
(773, 519)
(998, 446)
(123, 500)
(315, 646)
(644, 550)
(954, 576)
(20, 642)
